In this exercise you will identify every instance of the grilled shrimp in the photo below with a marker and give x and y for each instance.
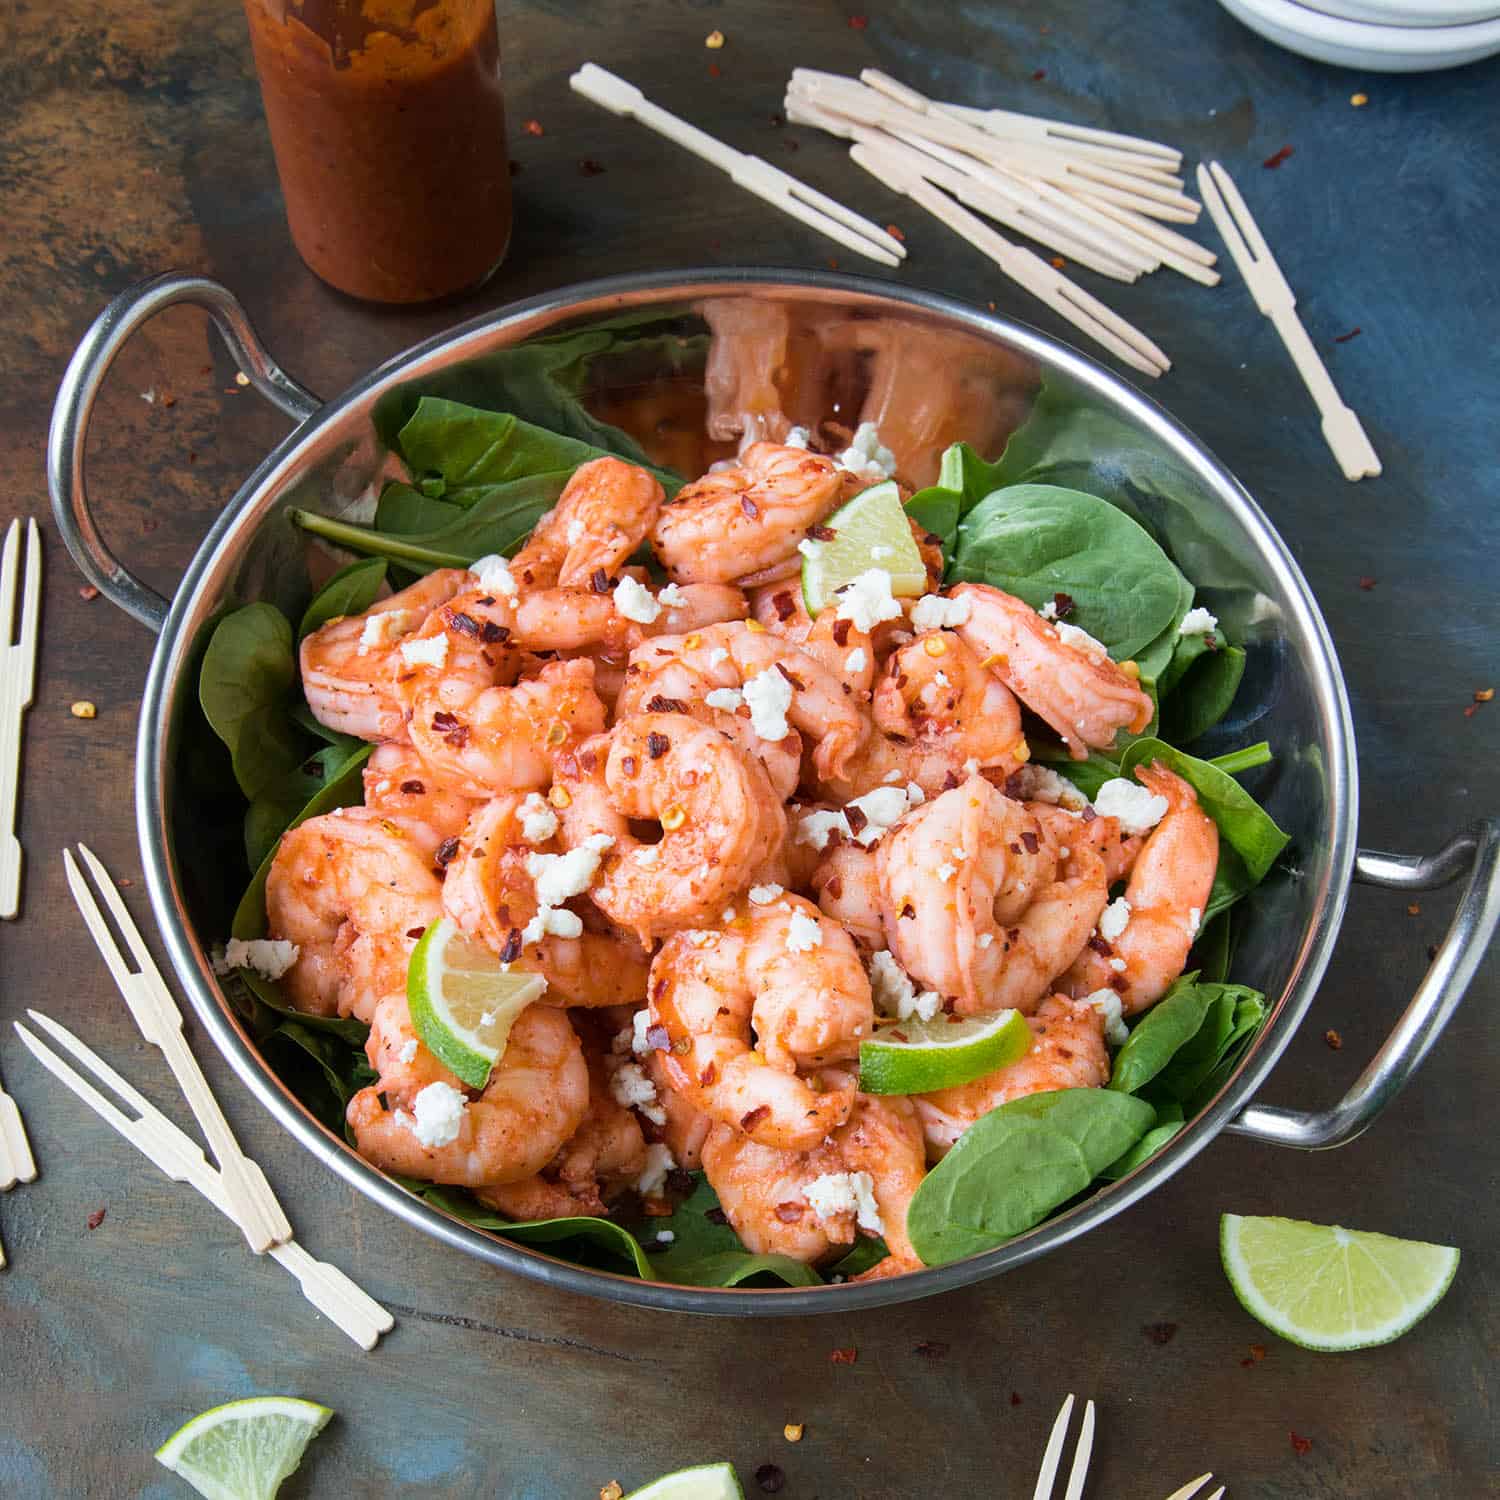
(1067, 1052)
(976, 906)
(844, 649)
(399, 783)
(847, 886)
(786, 971)
(536, 1097)
(350, 664)
(605, 512)
(741, 521)
(1083, 695)
(1166, 894)
(687, 1126)
(400, 1059)
(1061, 830)
(719, 816)
(354, 889)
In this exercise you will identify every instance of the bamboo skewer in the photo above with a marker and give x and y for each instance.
(156, 1015)
(17, 683)
(337, 1297)
(16, 1161)
(1274, 296)
(1005, 122)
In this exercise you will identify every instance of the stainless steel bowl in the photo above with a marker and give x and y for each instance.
(1293, 693)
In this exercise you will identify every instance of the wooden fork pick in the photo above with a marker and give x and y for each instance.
(1052, 1460)
(17, 681)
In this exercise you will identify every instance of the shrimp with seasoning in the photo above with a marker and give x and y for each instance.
(400, 784)
(606, 510)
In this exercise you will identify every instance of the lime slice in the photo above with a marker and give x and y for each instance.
(1329, 1288)
(870, 531)
(918, 1057)
(464, 1001)
(244, 1449)
(705, 1482)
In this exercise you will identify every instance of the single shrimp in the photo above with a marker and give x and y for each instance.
(1167, 892)
(719, 816)
(845, 650)
(743, 520)
(1082, 694)
(780, 988)
(847, 886)
(730, 656)
(398, 1055)
(354, 889)
(1063, 829)
(606, 510)
(975, 905)
(687, 1126)
(536, 1097)
(399, 783)
(1067, 1052)
(490, 893)
(349, 665)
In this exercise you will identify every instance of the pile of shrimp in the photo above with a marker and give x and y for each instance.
(733, 839)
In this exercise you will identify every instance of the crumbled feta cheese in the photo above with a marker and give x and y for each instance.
(866, 456)
(769, 695)
(389, 625)
(879, 553)
(1198, 621)
(1112, 922)
(802, 933)
(408, 1051)
(933, 612)
(890, 985)
(633, 1089)
(1049, 610)
(946, 872)
(857, 660)
(892, 777)
(659, 1161)
(1138, 809)
(836, 1193)
(727, 915)
(556, 920)
(538, 821)
(940, 679)
(883, 808)
(671, 596)
(729, 699)
(867, 600)
(971, 766)
(440, 1112)
(268, 957)
(764, 895)
(798, 437)
(809, 548)
(915, 796)
(1043, 784)
(927, 1005)
(431, 652)
(1118, 965)
(717, 657)
(1107, 1003)
(816, 827)
(1081, 640)
(640, 1024)
(665, 1236)
(575, 531)
(986, 938)
(1195, 920)
(494, 575)
(647, 854)
(634, 601)
(559, 876)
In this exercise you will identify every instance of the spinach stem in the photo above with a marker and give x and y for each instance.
(378, 543)
(1243, 760)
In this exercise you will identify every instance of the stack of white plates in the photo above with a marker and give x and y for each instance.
(1381, 36)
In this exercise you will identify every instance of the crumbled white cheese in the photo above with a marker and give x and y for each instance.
(717, 657)
(659, 1161)
(769, 695)
(672, 596)
(879, 553)
(890, 985)
(538, 821)
(836, 1193)
(647, 854)
(915, 796)
(727, 915)
(665, 1236)
(633, 1089)
(986, 938)
(892, 777)
(268, 957)
(883, 808)
(1198, 621)
(1118, 965)
(933, 612)
(946, 872)
(634, 601)
(1114, 919)
(856, 661)
(431, 652)
(729, 699)
(816, 827)
(559, 876)
(1107, 1003)
(866, 456)
(867, 600)
(575, 531)
(494, 575)
(971, 766)
(1081, 640)
(764, 895)
(940, 679)
(1195, 920)
(1049, 610)
(927, 1005)
(640, 1024)
(408, 1051)
(809, 548)
(798, 437)
(557, 921)
(440, 1112)
(1043, 784)
(802, 933)
(1138, 809)
(389, 625)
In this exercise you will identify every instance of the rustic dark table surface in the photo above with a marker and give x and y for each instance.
(131, 141)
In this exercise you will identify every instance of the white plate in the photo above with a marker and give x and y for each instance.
(1409, 12)
(1355, 44)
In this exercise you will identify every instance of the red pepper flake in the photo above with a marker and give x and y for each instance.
(1063, 605)
(599, 581)
(657, 745)
(822, 533)
(932, 1349)
(1343, 338)
(714, 71)
(843, 1356)
(1276, 158)
(445, 851)
(990, 305)
(749, 507)
(1058, 262)
(1101, 946)
(1470, 711)
(790, 1212)
(512, 949)
(1257, 1352)
(464, 624)
(88, 593)
(588, 167)
(1300, 1444)
(413, 788)
(783, 605)
(770, 1478)
(858, 23)
(833, 263)
(1414, 909)
(415, 932)
(1015, 1398)
(661, 705)
(1367, 583)
(895, 232)
(96, 1218)
(841, 630)
(534, 127)
(1333, 1039)
(856, 818)
(752, 1117)
(1040, 74)
(1032, 842)
(1160, 1333)
(656, 1038)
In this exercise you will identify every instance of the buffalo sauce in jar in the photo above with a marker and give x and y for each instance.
(388, 122)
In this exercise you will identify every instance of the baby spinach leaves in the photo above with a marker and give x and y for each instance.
(351, 591)
(705, 1251)
(964, 479)
(1017, 1164)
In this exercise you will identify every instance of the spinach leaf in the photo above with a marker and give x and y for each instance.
(867, 1253)
(937, 510)
(1186, 1037)
(1203, 694)
(1169, 1121)
(1169, 1025)
(245, 688)
(1250, 1012)
(1037, 540)
(704, 1252)
(267, 817)
(1015, 1165)
(1155, 658)
(351, 591)
(404, 511)
(1214, 948)
(338, 1073)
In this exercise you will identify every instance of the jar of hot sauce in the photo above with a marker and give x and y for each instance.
(388, 122)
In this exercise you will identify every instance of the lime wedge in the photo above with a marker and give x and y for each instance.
(919, 1057)
(464, 1001)
(870, 531)
(705, 1482)
(244, 1449)
(1330, 1288)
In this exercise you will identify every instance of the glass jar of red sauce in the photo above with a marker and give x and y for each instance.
(388, 122)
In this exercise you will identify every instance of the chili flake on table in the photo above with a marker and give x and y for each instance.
(843, 1356)
(1333, 1039)
(1300, 1444)
(96, 1218)
(1276, 158)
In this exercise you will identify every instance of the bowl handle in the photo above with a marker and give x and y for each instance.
(75, 404)
(1475, 853)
